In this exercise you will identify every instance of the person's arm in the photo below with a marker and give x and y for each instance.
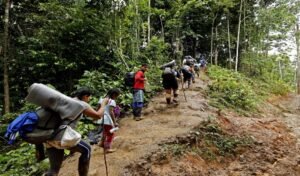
(96, 114)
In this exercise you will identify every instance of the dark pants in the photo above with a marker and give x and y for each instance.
(138, 103)
(137, 111)
(56, 157)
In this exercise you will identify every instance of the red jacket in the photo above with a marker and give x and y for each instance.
(139, 80)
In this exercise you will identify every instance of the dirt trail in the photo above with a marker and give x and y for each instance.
(135, 139)
(275, 132)
(290, 113)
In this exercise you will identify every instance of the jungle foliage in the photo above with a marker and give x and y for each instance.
(74, 43)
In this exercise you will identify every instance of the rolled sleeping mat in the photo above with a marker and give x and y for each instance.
(66, 107)
(169, 64)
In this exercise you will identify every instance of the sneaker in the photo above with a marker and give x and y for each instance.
(110, 150)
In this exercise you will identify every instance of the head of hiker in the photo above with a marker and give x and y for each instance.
(144, 67)
(113, 93)
(83, 94)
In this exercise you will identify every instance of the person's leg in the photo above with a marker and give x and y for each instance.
(39, 152)
(135, 104)
(108, 137)
(138, 104)
(175, 94)
(138, 113)
(56, 157)
(185, 80)
(168, 95)
(84, 159)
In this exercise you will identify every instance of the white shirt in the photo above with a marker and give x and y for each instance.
(107, 118)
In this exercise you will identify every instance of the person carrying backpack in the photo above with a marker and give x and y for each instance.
(56, 155)
(187, 75)
(109, 122)
(170, 84)
(190, 61)
(138, 92)
(203, 64)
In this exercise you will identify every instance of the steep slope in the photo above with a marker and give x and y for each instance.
(141, 146)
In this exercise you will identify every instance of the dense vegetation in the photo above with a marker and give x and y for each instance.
(74, 43)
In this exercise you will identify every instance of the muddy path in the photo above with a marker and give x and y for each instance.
(135, 139)
(288, 109)
(274, 131)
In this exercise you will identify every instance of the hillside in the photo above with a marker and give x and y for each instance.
(194, 138)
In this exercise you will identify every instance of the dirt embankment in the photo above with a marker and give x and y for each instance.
(176, 140)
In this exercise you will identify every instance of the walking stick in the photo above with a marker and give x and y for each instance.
(104, 150)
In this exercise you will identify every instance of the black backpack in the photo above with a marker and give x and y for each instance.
(129, 79)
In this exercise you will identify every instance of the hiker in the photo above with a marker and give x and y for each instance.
(109, 122)
(138, 92)
(95, 136)
(170, 84)
(190, 61)
(56, 155)
(203, 64)
(197, 68)
(187, 75)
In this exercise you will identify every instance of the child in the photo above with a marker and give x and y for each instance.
(109, 121)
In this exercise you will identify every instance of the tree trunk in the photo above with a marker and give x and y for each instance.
(211, 45)
(162, 29)
(212, 40)
(298, 57)
(280, 70)
(137, 27)
(238, 38)
(229, 42)
(6, 58)
(149, 22)
(216, 47)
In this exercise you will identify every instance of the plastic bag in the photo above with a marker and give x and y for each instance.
(67, 137)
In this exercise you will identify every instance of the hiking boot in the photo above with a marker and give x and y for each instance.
(168, 100)
(137, 118)
(175, 101)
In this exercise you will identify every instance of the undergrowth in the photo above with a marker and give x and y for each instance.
(212, 142)
(234, 90)
(19, 162)
(230, 89)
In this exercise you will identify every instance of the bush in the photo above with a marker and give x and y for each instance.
(19, 162)
(231, 89)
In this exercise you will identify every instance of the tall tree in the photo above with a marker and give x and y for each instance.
(6, 58)
(238, 37)
(298, 53)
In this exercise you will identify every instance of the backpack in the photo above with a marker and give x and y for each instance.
(202, 62)
(43, 124)
(167, 70)
(46, 128)
(34, 127)
(129, 79)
